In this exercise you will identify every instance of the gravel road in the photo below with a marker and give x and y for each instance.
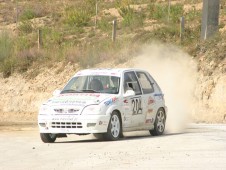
(200, 146)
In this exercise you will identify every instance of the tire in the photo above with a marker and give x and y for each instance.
(159, 125)
(114, 130)
(48, 137)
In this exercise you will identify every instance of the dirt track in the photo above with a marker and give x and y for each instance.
(199, 147)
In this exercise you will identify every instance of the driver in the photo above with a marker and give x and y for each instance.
(96, 85)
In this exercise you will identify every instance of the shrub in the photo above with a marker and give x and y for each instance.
(72, 55)
(7, 67)
(131, 18)
(6, 51)
(193, 14)
(157, 11)
(192, 35)
(25, 27)
(51, 37)
(77, 17)
(104, 24)
(25, 58)
(176, 11)
(160, 12)
(164, 34)
(27, 14)
(22, 43)
(6, 46)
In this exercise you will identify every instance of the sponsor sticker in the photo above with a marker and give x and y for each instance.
(111, 101)
(149, 120)
(151, 101)
(63, 119)
(150, 110)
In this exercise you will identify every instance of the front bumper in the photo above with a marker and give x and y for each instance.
(78, 124)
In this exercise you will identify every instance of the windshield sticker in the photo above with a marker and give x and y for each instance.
(111, 101)
(98, 72)
(80, 94)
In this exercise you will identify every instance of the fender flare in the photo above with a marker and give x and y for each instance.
(112, 108)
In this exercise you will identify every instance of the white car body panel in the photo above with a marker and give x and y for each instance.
(65, 113)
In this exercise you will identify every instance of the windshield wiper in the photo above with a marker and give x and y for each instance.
(70, 91)
(90, 91)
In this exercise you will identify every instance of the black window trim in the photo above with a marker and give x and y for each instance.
(148, 78)
(129, 71)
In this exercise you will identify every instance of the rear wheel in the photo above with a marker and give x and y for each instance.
(114, 130)
(48, 137)
(159, 125)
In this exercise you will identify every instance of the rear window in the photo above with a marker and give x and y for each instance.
(145, 82)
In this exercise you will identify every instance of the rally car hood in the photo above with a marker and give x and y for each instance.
(77, 99)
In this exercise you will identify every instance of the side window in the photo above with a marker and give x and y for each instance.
(131, 82)
(145, 82)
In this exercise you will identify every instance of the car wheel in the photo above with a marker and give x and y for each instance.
(114, 130)
(159, 125)
(48, 137)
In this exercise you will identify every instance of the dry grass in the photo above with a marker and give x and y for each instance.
(69, 33)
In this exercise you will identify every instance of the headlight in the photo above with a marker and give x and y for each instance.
(92, 110)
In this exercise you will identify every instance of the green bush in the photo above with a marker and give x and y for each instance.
(27, 14)
(6, 52)
(192, 35)
(131, 18)
(127, 13)
(77, 17)
(51, 37)
(164, 34)
(193, 14)
(104, 24)
(25, 27)
(160, 12)
(6, 46)
(157, 11)
(26, 58)
(176, 11)
(7, 67)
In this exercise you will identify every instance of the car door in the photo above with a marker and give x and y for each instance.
(148, 98)
(133, 105)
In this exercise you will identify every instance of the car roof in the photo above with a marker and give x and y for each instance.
(105, 71)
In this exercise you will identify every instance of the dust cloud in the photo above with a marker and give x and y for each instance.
(175, 72)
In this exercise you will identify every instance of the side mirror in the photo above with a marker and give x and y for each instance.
(56, 92)
(129, 93)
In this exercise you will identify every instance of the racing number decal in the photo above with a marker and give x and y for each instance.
(136, 106)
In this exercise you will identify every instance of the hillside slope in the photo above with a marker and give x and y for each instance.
(71, 41)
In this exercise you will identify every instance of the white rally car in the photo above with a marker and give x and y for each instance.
(104, 102)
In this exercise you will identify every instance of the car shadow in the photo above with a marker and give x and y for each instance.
(150, 136)
(79, 141)
(125, 138)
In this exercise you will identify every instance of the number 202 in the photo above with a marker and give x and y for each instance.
(136, 104)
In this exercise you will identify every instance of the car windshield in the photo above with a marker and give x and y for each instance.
(93, 84)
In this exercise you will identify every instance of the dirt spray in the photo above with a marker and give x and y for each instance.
(176, 73)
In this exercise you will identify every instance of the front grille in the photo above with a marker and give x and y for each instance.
(66, 110)
(66, 125)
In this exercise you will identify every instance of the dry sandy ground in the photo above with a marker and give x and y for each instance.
(198, 147)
